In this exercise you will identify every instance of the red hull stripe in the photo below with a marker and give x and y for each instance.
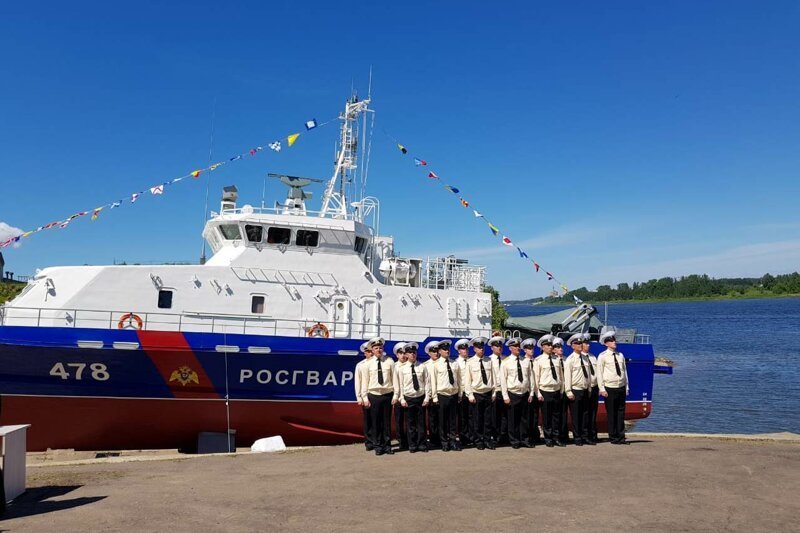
(176, 362)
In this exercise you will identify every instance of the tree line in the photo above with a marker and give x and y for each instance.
(694, 286)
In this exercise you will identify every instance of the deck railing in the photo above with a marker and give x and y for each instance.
(207, 322)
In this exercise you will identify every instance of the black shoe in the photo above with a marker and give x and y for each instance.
(490, 445)
(369, 447)
(412, 450)
(378, 451)
(528, 445)
(624, 442)
(589, 442)
(424, 449)
(456, 448)
(389, 451)
(480, 446)
(515, 446)
(549, 444)
(578, 443)
(561, 444)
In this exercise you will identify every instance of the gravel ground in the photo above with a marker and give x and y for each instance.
(656, 484)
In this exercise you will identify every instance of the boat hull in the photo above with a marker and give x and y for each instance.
(147, 389)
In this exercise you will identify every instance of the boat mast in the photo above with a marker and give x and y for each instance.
(335, 201)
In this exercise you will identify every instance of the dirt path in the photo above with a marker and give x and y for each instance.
(658, 484)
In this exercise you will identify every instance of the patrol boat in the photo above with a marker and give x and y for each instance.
(262, 339)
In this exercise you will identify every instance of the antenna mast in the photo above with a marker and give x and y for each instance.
(335, 201)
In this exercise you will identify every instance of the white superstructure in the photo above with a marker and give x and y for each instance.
(277, 271)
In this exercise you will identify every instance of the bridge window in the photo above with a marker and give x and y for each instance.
(361, 243)
(254, 233)
(257, 305)
(279, 235)
(307, 238)
(164, 299)
(230, 232)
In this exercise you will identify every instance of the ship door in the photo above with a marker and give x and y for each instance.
(340, 317)
(370, 317)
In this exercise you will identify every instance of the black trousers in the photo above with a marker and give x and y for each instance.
(481, 418)
(563, 433)
(500, 420)
(448, 418)
(381, 412)
(464, 426)
(400, 425)
(516, 410)
(594, 395)
(530, 423)
(415, 420)
(615, 411)
(551, 415)
(367, 416)
(433, 424)
(579, 408)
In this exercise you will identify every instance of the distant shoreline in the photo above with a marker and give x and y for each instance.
(663, 300)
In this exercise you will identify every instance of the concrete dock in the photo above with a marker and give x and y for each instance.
(658, 483)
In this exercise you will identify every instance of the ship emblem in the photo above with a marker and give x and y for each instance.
(184, 375)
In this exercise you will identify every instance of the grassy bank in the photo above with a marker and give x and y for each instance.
(9, 289)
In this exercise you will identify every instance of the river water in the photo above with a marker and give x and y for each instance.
(737, 363)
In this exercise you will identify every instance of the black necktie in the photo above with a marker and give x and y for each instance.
(591, 366)
(552, 369)
(483, 372)
(414, 378)
(449, 372)
(380, 372)
(583, 367)
(616, 363)
(519, 371)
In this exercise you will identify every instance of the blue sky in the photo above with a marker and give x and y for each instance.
(616, 141)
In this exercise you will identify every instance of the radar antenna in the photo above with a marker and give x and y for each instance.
(295, 203)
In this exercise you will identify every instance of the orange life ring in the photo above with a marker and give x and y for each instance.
(318, 330)
(129, 319)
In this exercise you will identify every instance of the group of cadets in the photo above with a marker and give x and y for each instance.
(488, 400)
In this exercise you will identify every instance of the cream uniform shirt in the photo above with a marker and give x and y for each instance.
(369, 376)
(607, 372)
(496, 361)
(593, 361)
(543, 374)
(462, 369)
(357, 380)
(475, 376)
(404, 388)
(574, 377)
(440, 379)
(509, 376)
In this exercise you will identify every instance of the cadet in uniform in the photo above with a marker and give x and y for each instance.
(594, 391)
(577, 385)
(549, 384)
(530, 424)
(377, 389)
(515, 384)
(464, 432)
(558, 349)
(481, 395)
(432, 411)
(360, 401)
(399, 411)
(445, 392)
(414, 394)
(500, 420)
(612, 380)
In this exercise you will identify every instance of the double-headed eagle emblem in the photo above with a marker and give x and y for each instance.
(184, 375)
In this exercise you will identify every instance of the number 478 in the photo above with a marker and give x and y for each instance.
(98, 371)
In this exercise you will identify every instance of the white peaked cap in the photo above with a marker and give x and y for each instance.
(607, 334)
(399, 347)
(462, 343)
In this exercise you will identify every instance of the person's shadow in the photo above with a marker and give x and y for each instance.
(35, 501)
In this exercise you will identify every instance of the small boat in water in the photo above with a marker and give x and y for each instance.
(263, 338)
